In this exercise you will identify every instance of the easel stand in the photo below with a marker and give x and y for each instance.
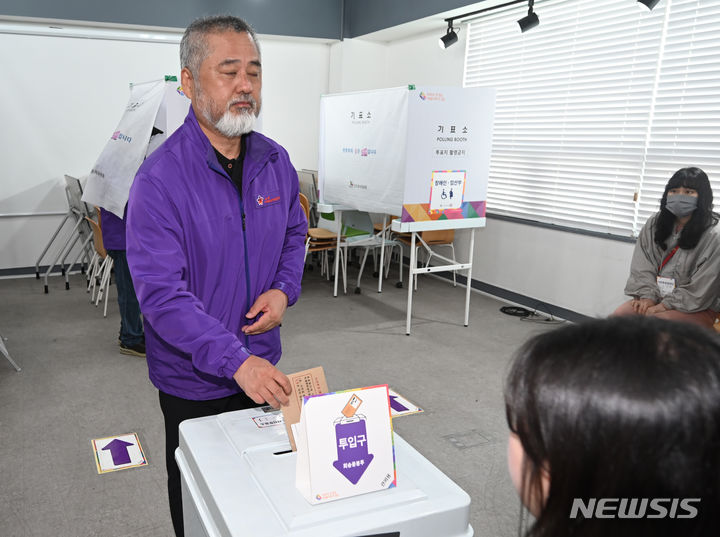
(414, 270)
(77, 211)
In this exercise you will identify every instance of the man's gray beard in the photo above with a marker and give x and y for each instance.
(234, 125)
(230, 124)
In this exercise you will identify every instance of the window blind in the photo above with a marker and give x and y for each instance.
(582, 104)
(685, 128)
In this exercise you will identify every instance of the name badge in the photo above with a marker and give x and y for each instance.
(666, 285)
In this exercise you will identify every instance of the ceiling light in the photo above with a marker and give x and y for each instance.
(450, 38)
(531, 20)
(648, 3)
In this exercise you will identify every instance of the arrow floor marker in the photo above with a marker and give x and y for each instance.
(118, 453)
(400, 406)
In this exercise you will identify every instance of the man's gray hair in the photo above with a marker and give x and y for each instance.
(193, 46)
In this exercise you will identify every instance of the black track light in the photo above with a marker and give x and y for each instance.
(649, 3)
(531, 20)
(450, 38)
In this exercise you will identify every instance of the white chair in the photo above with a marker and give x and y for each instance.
(373, 241)
(77, 210)
(4, 351)
(360, 233)
(101, 267)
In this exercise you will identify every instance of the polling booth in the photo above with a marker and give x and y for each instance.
(154, 111)
(419, 152)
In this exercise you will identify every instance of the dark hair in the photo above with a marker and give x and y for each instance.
(627, 407)
(702, 218)
(193, 45)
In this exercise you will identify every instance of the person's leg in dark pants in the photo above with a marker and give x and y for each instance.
(176, 410)
(131, 329)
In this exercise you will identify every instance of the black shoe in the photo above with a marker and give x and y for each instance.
(133, 350)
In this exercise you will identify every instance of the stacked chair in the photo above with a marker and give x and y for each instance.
(77, 211)
(101, 265)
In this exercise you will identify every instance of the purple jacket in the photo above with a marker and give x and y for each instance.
(113, 230)
(200, 256)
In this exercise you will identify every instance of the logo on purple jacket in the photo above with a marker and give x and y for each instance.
(262, 201)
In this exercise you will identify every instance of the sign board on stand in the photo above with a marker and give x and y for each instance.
(423, 152)
(431, 144)
(345, 445)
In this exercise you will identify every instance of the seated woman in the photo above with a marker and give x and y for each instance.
(675, 269)
(615, 429)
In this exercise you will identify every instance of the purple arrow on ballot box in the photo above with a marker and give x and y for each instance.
(119, 451)
(352, 450)
(396, 405)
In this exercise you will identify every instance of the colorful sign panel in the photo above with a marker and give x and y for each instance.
(345, 444)
(449, 146)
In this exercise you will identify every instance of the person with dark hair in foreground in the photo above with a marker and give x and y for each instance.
(615, 429)
(675, 269)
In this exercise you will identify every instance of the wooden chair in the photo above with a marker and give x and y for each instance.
(321, 240)
(429, 239)
(308, 187)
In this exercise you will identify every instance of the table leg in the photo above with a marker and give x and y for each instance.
(382, 255)
(469, 277)
(411, 275)
(338, 217)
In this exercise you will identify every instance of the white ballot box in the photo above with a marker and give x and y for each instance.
(238, 480)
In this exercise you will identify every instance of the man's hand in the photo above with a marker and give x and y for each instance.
(272, 304)
(657, 308)
(263, 382)
(641, 305)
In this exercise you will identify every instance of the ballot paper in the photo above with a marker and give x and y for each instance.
(304, 383)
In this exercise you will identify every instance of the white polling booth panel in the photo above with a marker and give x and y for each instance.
(363, 142)
(420, 152)
(238, 479)
(160, 104)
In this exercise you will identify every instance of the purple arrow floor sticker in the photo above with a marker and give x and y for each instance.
(397, 405)
(119, 451)
(352, 449)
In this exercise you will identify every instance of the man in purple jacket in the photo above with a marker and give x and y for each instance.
(132, 339)
(215, 242)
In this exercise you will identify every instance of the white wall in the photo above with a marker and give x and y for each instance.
(357, 65)
(66, 95)
(62, 97)
(577, 272)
